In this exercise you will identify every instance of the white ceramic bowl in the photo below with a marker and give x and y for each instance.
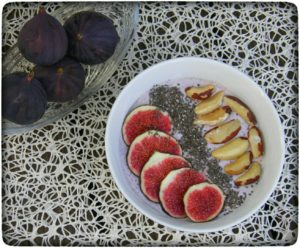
(240, 85)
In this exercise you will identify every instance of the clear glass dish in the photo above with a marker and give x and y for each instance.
(125, 17)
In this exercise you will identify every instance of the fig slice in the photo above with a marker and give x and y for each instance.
(144, 145)
(144, 118)
(239, 165)
(240, 108)
(173, 188)
(256, 142)
(231, 150)
(156, 169)
(213, 118)
(203, 202)
(199, 93)
(210, 104)
(223, 133)
(252, 175)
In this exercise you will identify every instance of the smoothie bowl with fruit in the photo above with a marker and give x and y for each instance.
(190, 143)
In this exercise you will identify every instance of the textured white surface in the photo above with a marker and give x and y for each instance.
(57, 188)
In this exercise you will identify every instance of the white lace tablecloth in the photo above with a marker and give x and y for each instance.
(57, 187)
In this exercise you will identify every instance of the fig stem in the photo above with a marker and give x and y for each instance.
(60, 70)
(79, 36)
(30, 76)
(41, 10)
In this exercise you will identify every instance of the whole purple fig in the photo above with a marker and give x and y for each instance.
(43, 40)
(62, 81)
(92, 37)
(24, 99)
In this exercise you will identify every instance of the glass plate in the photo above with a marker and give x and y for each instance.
(125, 18)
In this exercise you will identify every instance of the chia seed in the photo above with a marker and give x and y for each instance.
(194, 146)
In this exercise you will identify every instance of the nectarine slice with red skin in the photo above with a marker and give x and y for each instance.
(213, 118)
(252, 175)
(199, 93)
(231, 150)
(241, 109)
(210, 104)
(239, 165)
(256, 141)
(223, 133)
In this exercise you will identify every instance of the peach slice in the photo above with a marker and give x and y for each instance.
(213, 118)
(250, 176)
(200, 93)
(231, 150)
(241, 109)
(210, 104)
(256, 142)
(223, 133)
(238, 166)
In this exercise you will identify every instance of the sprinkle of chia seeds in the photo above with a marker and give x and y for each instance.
(194, 146)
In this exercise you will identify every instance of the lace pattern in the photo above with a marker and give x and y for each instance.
(57, 188)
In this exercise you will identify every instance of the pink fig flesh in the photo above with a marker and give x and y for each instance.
(203, 202)
(143, 146)
(144, 118)
(173, 188)
(156, 169)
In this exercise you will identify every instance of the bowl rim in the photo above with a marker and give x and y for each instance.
(128, 197)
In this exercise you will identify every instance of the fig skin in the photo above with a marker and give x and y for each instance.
(24, 99)
(62, 81)
(43, 40)
(92, 37)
